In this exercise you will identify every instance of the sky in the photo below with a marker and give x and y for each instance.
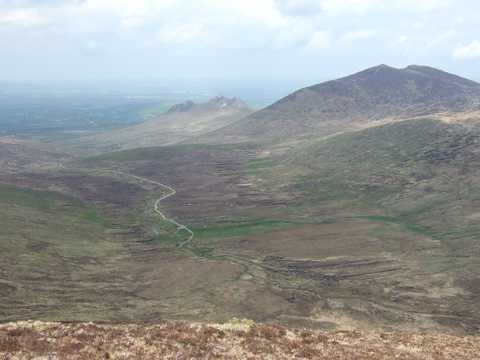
(227, 40)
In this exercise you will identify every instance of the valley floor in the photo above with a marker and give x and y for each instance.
(373, 229)
(237, 339)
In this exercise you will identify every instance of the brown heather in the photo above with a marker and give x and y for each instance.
(239, 340)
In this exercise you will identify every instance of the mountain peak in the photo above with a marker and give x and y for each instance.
(412, 81)
(392, 76)
(382, 67)
(216, 103)
(182, 107)
(380, 92)
(418, 67)
(223, 102)
(379, 69)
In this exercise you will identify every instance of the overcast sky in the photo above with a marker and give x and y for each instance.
(232, 39)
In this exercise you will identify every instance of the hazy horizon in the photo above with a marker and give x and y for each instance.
(256, 92)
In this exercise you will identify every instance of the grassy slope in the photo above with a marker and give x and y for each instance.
(406, 193)
(377, 201)
(353, 202)
(417, 173)
(50, 242)
(400, 173)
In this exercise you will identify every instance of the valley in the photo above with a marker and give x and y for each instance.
(318, 220)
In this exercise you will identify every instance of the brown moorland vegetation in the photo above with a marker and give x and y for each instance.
(238, 339)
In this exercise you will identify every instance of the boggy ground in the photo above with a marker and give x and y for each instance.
(304, 247)
(273, 242)
(233, 340)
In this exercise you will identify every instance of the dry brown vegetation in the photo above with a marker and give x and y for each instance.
(372, 229)
(336, 255)
(233, 340)
(20, 155)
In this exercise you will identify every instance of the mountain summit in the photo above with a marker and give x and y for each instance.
(182, 107)
(373, 94)
(180, 123)
(214, 104)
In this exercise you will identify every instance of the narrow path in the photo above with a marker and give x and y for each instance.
(156, 207)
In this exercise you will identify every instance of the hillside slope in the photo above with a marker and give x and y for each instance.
(180, 123)
(416, 182)
(352, 102)
(17, 154)
(376, 226)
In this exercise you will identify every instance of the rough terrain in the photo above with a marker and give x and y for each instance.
(234, 340)
(375, 227)
(372, 96)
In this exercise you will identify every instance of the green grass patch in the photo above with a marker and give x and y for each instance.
(203, 252)
(51, 202)
(260, 163)
(256, 166)
(95, 217)
(158, 152)
(43, 200)
(231, 228)
(407, 222)
(167, 239)
(330, 188)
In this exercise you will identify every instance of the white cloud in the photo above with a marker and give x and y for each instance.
(251, 11)
(347, 6)
(91, 47)
(357, 35)
(22, 17)
(181, 33)
(131, 22)
(261, 36)
(123, 7)
(376, 6)
(402, 39)
(468, 51)
(134, 13)
(299, 7)
(442, 38)
(319, 40)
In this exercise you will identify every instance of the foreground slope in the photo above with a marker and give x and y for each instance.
(180, 123)
(234, 340)
(355, 101)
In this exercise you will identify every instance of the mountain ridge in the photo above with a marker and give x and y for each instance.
(215, 103)
(180, 123)
(373, 94)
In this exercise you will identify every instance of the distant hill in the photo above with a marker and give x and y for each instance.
(179, 123)
(20, 155)
(381, 92)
